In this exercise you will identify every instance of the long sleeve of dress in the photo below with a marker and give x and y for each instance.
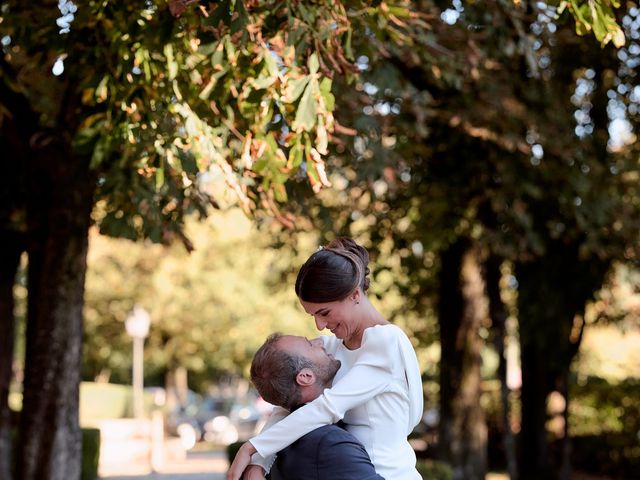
(277, 414)
(370, 375)
(414, 382)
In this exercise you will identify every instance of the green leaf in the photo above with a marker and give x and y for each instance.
(218, 56)
(313, 64)
(88, 134)
(322, 141)
(176, 90)
(100, 151)
(231, 50)
(206, 91)
(85, 139)
(596, 16)
(295, 154)
(172, 65)
(271, 141)
(270, 62)
(208, 49)
(102, 90)
(159, 177)
(347, 47)
(307, 111)
(263, 82)
(618, 38)
(327, 96)
(295, 88)
(261, 164)
(579, 15)
(280, 192)
(312, 173)
(561, 7)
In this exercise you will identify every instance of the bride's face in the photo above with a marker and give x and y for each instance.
(336, 316)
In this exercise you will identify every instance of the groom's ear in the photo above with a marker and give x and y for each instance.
(306, 377)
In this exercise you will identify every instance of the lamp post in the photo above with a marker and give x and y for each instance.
(137, 325)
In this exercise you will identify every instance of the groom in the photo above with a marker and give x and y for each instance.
(290, 371)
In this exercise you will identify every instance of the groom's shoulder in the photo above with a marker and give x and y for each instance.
(328, 433)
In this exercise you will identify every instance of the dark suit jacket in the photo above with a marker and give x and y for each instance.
(327, 453)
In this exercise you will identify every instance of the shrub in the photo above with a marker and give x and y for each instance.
(100, 401)
(232, 449)
(103, 401)
(90, 453)
(612, 454)
(598, 407)
(434, 470)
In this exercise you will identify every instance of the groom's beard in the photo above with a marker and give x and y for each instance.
(326, 373)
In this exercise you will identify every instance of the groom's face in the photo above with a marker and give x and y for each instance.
(325, 365)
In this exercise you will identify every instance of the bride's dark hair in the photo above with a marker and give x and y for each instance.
(333, 272)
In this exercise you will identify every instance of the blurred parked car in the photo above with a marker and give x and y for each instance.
(218, 420)
(236, 420)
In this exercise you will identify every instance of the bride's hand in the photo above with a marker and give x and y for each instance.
(253, 472)
(241, 461)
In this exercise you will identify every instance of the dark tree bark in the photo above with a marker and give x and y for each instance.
(533, 435)
(462, 429)
(14, 143)
(58, 213)
(552, 293)
(498, 314)
(51, 197)
(12, 248)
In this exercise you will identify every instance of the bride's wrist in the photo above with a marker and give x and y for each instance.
(249, 448)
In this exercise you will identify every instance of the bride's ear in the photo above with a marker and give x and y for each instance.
(355, 296)
(306, 377)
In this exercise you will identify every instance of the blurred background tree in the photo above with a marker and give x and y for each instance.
(211, 308)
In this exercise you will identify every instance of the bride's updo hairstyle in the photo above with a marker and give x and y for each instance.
(333, 272)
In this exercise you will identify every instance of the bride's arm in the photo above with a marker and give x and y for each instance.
(265, 463)
(369, 376)
(360, 384)
(241, 461)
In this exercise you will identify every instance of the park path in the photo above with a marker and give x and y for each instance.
(209, 465)
(170, 476)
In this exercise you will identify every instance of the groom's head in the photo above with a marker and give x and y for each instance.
(288, 370)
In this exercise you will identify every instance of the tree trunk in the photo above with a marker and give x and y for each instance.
(566, 470)
(12, 248)
(15, 130)
(58, 217)
(461, 310)
(552, 293)
(176, 386)
(498, 314)
(533, 434)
